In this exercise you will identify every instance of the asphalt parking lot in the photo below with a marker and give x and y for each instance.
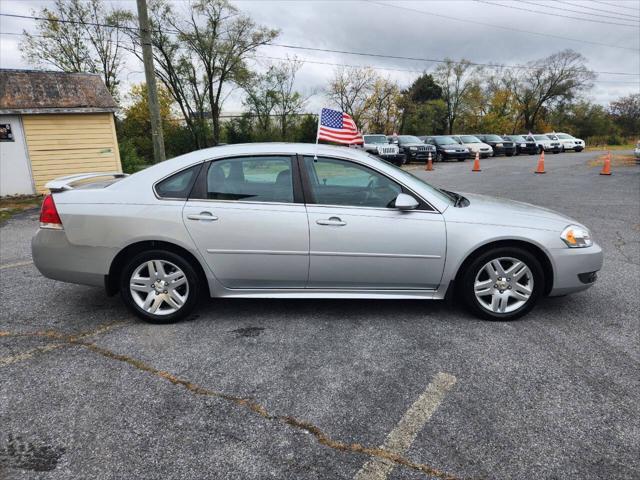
(335, 389)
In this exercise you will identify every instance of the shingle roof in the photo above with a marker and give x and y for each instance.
(32, 91)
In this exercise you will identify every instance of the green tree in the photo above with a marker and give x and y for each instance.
(626, 114)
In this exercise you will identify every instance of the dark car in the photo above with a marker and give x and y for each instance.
(523, 144)
(447, 148)
(413, 148)
(500, 145)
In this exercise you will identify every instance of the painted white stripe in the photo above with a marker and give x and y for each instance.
(16, 264)
(411, 423)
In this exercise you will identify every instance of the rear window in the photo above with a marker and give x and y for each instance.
(179, 184)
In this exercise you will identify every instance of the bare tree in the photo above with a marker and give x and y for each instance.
(543, 83)
(456, 80)
(382, 113)
(350, 89)
(79, 36)
(289, 102)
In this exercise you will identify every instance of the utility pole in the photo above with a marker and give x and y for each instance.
(152, 90)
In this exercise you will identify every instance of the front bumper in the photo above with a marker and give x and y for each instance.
(418, 155)
(553, 149)
(396, 159)
(574, 268)
(455, 155)
(56, 258)
(530, 148)
(504, 150)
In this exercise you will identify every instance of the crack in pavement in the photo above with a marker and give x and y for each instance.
(253, 406)
(618, 244)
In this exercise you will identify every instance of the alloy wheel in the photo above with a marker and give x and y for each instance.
(159, 287)
(503, 285)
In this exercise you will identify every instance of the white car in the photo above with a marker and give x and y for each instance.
(474, 144)
(636, 152)
(567, 142)
(545, 143)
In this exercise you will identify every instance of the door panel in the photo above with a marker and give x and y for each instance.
(246, 225)
(359, 240)
(375, 248)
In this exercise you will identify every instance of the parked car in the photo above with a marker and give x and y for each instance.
(499, 145)
(447, 148)
(302, 221)
(474, 144)
(379, 145)
(524, 144)
(413, 148)
(544, 143)
(567, 142)
(636, 152)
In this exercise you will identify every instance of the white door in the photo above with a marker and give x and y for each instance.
(15, 171)
(247, 224)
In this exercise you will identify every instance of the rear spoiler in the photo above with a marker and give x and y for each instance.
(65, 183)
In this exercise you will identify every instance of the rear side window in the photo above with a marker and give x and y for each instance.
(179, 184)
(251, 179)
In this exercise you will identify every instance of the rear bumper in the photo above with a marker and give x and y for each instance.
(575, 268)
(58, 259)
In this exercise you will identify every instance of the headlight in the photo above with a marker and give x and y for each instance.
(413, 149)
(576, 237)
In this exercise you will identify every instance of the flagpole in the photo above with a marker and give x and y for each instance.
(315, 151)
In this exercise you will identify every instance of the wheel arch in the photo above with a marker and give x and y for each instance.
(111, 281)
(539, 253)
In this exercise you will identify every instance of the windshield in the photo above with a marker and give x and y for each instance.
(469, 139)
(492, 138)
(541, 137)
(564, 136)
(445, 141)
(405, 175)
(375, 139)
(515, 138)
(409, 139)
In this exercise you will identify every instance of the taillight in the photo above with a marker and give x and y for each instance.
(49, 217)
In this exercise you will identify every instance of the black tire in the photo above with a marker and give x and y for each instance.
(461, 159)
(194, 283)
(540, 149)
(439, 157)
(472, 270)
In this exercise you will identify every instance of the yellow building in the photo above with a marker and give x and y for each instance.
(53, 124)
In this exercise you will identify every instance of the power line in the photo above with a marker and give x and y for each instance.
(575, 11)
(304, 60)
(555, 14)
(615, 5)
(597, 9)
(493, 25)
(345, 52)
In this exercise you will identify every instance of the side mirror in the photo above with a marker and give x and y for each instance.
(405, 202)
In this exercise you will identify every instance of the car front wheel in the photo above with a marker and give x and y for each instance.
(503, 284)
(439, 157)
(159, 286)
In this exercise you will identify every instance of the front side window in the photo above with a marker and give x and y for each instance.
(179, 184)
(253, 179)
(340, 182)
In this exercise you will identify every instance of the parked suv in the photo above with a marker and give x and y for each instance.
(523, 144)
(499, 145)
(447, 148)
(413, 148)
(378, 145)
(567, 142)
(474, 145)
(545, 143)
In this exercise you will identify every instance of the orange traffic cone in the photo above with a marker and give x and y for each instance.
(429, 166)
(540, 168)
(606, 168)
(476, 163)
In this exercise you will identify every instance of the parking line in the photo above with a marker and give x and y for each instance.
(16, 264)
(403, 435)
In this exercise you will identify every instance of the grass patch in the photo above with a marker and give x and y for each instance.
(597, 148)
(9, 206)
(616, 160)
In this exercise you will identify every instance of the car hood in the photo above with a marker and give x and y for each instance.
(502, 211)
(415, 144)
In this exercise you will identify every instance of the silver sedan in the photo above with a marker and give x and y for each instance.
(299, 221)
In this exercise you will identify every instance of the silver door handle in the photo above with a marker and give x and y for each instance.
(333, 221)
(206, 216)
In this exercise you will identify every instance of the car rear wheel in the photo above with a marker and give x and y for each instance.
(503, 284)
(159, 286)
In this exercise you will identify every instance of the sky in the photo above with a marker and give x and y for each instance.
(424, 29)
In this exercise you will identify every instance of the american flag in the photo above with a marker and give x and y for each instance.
(338, 127)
